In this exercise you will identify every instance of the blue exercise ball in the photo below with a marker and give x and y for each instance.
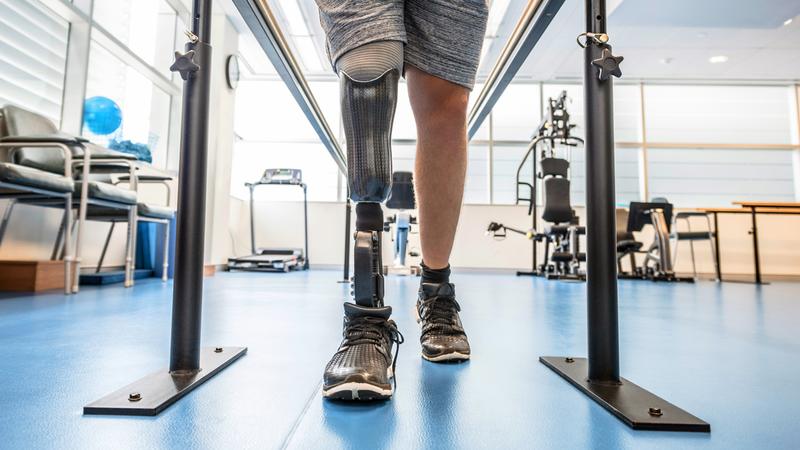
(101, 115)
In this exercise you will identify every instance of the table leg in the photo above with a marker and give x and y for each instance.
(756, 258)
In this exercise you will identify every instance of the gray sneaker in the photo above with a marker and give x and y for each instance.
(443, 337)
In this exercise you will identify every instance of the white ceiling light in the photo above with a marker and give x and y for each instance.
(718, 59)
(788, 22)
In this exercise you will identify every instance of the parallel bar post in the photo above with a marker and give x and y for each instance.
(188, 287)
(601, 282)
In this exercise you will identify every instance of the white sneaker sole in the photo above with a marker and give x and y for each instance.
(455, 356)
(359, 391)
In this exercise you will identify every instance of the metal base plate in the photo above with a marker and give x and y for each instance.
(638, 408)
(160, 389)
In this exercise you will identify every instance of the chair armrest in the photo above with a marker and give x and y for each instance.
(65, 148)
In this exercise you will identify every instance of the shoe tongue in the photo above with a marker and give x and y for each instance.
(351, 310)
(428, 290)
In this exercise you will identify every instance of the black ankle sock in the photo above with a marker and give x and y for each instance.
(435, 275)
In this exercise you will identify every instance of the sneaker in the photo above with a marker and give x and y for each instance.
(443, 337)
(363, 367)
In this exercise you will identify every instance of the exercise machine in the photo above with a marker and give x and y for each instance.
(403, 201)
(563, 234)
(274, 259)
(658, 258)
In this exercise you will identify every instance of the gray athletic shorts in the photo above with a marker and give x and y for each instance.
(442, 37)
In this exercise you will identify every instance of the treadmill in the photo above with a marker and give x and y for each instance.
(274, 259)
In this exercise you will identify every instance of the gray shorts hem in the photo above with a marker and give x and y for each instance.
(462, 76)
(357, 36)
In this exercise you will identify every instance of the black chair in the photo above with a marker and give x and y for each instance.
(627, 245)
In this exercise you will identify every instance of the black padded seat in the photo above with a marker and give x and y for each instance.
(692, 235)
(27, 176)
(628, 246)
(155, 212)
(109, 192)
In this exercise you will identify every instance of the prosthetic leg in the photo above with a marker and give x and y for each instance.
(363, 368)
(368, 113)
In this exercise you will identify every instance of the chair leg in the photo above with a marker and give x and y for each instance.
(105, 248)
(130, 248)
(694, 266)
(66, 232)
(82, 208)
(164, 274)
(59, 244)
(6, 218)
(713, 248)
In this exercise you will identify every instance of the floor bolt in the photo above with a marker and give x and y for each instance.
(134, 397)
(656, 412)
(570, 360)
(218, 350)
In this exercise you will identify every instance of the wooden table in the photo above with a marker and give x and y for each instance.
(754, 209)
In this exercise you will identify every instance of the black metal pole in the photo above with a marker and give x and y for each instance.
(305, 226)
(601, 282)
(252, 220)
(188, 288)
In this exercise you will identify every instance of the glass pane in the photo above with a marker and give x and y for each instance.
(143, 109)
(719, 114)
(281, 137)
(517, 113)
(705, 178)
(33, 51)
(506, 161)
(143, 25)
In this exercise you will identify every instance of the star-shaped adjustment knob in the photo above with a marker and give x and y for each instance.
(184, 64)
(608, 64)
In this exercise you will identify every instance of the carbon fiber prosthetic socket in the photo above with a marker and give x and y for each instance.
(368, 114)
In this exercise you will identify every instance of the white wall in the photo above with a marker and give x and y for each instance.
(279, 224)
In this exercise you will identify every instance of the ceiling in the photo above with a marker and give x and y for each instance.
(661, 40)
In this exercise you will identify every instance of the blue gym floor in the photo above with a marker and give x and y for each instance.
(728, 353)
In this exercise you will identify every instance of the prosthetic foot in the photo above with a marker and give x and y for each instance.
(363, 366)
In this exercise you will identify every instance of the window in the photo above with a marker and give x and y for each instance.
(274, 133)
(726, 116)
(719, 114)
(142, 25)
(33, 44)
(145, 109)
(700, 177)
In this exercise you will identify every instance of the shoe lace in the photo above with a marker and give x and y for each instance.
(372, 330)
(440, 313)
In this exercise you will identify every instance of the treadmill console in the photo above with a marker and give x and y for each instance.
(282, 176)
